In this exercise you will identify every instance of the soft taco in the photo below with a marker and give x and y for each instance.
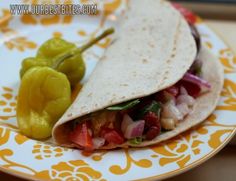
(154, 82)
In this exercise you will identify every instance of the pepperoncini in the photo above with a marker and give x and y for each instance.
(53, 47)
(43, 97)
(73, 68)
(63, 56)
(30, 62)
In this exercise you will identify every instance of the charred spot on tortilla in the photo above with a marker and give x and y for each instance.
(172, 55)
(151, 45)
(145, 60)
(103, 58)
(90, 94)
(124, 85)
(70, 115)
(164, 78)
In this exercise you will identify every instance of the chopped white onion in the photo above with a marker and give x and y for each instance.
(98, 142)
(172, 102)
(127, 120)
(171, 111)
(183, 108)
(168, 123)
(189, 100)
(135, 129)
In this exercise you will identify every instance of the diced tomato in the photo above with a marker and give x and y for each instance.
(192, 89)
(153, 132)
(189, 16)
(151, 119)
(112, 136)
(173, 90)
(81, 136)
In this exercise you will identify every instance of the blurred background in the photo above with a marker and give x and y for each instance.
(212, 9)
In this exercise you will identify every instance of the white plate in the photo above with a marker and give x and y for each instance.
(20, 36)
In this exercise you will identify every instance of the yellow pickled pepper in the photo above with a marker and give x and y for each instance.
(43, 97)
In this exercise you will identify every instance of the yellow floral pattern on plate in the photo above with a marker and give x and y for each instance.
(20, 43)
(228, 59)
(4, 21)
(46, 161)
(42, 151)
(118, 170)
(7, 103)
(75, 170)
(180, 149)
(229, 95)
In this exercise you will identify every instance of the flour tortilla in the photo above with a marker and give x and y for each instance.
(153, 49)
(205, 104)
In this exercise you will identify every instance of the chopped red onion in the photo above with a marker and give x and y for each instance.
(127, 120)
(196, 80)
(135, 129)
(173, 90)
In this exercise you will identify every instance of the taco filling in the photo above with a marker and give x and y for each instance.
(145, 118)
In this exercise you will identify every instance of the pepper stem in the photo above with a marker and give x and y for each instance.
(97, 39)
(83, 48)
